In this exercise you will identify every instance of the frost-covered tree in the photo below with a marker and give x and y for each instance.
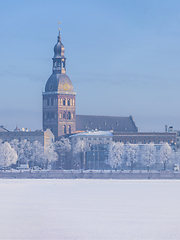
(79, 153)
(115, 155)
(149, 155)
(131, 153)
(63, 149)
(23, 149)
(37, 156)
(8, 155)
(50, 155)
(165, 154)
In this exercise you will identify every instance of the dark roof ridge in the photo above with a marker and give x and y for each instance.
(102, 116)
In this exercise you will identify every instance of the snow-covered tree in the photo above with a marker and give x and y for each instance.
(115, 156)
(23, 149)
(50, 155)
(149, 155)
(79, 153)
(131, 153)
(38, 156)
(63, 149)
(165, 154)
(8, 155)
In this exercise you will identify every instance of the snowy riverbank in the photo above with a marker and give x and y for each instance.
(74, 174)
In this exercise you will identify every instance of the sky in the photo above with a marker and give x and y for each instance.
(123, 58)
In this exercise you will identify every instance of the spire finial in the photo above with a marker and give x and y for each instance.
(59, 24)
(59, 37)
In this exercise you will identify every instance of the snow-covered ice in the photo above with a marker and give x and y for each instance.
(89, 209)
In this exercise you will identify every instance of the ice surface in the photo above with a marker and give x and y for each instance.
(89, 209)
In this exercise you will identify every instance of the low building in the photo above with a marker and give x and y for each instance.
(94, 151)
(44, 137)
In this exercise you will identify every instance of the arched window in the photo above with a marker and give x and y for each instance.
(64, 129)
(64, 115)
(69, 129)
(52, 101)
(64, 102)
(48, 101)
(48, 116)
(68, 102)
(69, 115)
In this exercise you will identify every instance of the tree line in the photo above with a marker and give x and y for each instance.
(145, 154)
(59, 154)
(18, 152)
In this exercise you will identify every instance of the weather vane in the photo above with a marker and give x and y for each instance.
(59, 24)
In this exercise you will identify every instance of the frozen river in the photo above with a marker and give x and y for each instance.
(89, 209)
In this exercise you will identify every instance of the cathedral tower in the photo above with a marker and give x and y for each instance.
(59, 99)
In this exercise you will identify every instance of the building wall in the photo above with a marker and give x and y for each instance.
(66, 114)
(43, 137)
(144, 137)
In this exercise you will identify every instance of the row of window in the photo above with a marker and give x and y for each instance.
(66, 102)
(67, 130)
(50, 116)
(61, 102)
(59, 64)
(143, 141)
(95, 138)
(64, 115)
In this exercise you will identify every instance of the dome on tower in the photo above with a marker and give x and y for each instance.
(59, 83)
(59, 48)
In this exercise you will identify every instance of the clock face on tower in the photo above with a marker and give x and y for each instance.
(50, 87)
(65, 86)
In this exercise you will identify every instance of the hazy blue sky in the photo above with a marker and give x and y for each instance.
(123, 58)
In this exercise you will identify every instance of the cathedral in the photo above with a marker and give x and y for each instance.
(59, 100)
(59, 104)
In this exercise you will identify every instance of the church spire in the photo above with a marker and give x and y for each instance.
(59, 60)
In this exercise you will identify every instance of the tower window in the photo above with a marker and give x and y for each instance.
(69, 129)
(68, 102)
(48, 116)
(69, 115)
(64, 102)
(64, 115)
(64, 128)
(52, 100)
(48, 101)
